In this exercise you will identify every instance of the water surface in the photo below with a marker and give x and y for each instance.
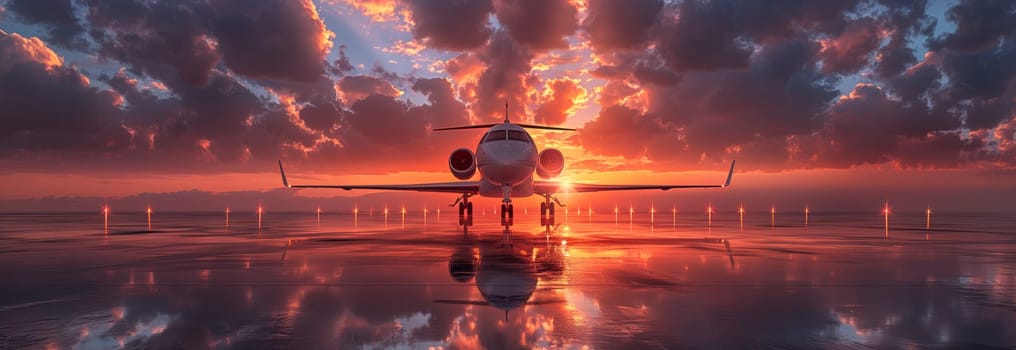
(191, 281)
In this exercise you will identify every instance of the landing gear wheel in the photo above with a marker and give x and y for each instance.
(511, 212)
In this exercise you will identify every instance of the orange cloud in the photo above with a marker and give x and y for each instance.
(31, 50)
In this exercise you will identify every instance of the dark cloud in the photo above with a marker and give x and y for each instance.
(622, 131)
(451, 25)
(540, 24)
(867, 126)
(291, 39)
(184, 40)
(848, 52)
(621, 24)
(722, 34)
(162, 39)
(904, 20)
(979, 25)
(505, 79)
(357, 87)
(56, 15)
(51, 107)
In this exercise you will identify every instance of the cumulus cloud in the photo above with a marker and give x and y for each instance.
(620, 24)
(451, 25)
(563, 96)
(682, 85)
(57, 16)
(52, 107)
(540, 24)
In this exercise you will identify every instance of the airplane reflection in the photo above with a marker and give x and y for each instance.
(508, 273)
(505, 273)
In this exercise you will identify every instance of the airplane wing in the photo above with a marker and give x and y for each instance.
(444, 187)
(551, 187)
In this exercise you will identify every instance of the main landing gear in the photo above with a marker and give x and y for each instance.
(547, 210)
(465, 210)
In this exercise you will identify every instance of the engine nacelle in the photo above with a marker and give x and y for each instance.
(462, 163)
(550, 163)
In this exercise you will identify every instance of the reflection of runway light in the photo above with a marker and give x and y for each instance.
(674, 212)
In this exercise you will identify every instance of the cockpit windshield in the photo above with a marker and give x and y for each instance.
(495, 135)
(515, 135)
(518, 136)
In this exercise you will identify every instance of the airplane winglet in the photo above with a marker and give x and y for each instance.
(729, 174)
(286, 183)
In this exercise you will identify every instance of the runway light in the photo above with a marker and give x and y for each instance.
(148, 210)
(806, 212)
(105, 216)
(652, 214)
(318, 211)
(886, 211)
(740, 214)
(927, 220)
(261, 210)
(227, 216)
(772, 216)
(709, 213)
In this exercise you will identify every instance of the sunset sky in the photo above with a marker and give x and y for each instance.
(113, 98)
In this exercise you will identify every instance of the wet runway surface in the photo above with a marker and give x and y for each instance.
(192, 282)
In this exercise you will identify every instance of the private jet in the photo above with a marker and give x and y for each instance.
(506, 158)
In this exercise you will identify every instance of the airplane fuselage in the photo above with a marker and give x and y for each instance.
(506, 156)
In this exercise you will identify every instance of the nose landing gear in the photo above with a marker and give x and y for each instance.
(507, 215)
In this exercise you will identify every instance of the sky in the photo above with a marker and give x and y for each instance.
(128, 98)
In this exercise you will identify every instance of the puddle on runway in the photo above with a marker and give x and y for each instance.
(192, 282)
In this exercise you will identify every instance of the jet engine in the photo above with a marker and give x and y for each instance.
(550, 163)
(462, 163)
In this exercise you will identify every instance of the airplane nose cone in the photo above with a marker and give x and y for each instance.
(507, 162)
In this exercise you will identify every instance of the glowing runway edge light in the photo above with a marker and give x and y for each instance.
(148, 210)
(806, 212)
(261, 210)
(740, 213)
(105, 216)
(709, 213)
(885, 211)
(318, 211)
(227, 216)
(772, 214)
(927, 220)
